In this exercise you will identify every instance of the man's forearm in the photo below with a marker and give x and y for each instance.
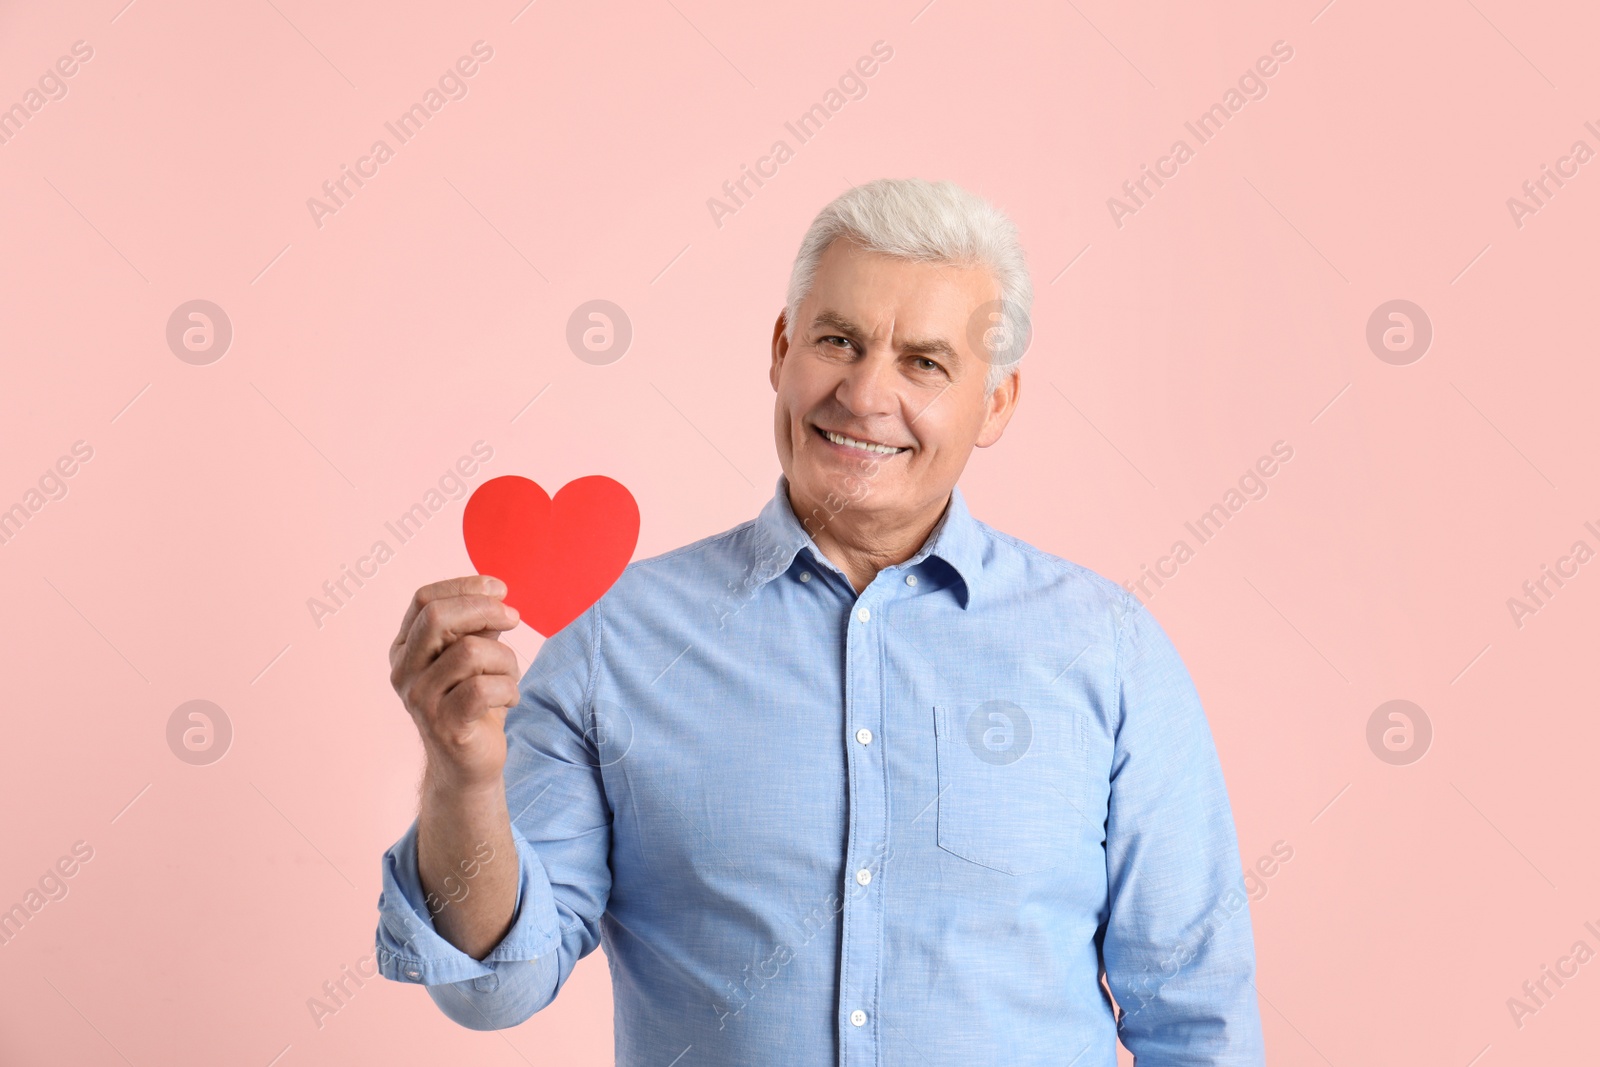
(468, 864)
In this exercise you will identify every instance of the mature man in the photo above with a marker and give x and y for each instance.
(859, 781)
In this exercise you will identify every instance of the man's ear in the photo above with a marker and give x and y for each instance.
(780, 348)
(999, 407)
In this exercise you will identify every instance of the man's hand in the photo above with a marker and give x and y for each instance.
(456, 679)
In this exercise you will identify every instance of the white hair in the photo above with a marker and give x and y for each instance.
(938, 222)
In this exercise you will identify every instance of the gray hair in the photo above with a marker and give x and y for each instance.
(929, 222)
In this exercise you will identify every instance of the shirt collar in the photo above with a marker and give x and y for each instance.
(779, 535)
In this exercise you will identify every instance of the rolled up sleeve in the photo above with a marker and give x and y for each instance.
(560, 825)
(502, 989)
(1178, 951)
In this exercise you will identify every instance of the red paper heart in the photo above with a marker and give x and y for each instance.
(557, 557)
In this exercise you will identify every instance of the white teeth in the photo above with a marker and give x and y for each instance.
(841, 439)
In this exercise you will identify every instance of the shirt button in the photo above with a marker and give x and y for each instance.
(863, 876)
(805, 576)
(864, 735)
(863, 614)
(911, 579)
(858, 1017)
(414, 975)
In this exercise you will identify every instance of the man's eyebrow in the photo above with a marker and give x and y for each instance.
(913, 346)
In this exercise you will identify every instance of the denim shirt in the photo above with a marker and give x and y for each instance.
(918, 825)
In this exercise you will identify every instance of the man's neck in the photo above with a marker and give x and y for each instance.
(858, 544)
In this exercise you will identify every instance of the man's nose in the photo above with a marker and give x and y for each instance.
(870, 386)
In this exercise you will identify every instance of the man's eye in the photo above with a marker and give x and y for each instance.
(844, 340)
(932, 365)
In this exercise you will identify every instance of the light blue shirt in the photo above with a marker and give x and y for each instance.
(912, 826)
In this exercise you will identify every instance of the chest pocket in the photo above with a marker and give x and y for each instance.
(1011, 789)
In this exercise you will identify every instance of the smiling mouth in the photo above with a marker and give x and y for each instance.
(866, 447)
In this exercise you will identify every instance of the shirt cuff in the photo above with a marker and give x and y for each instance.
(411, 950)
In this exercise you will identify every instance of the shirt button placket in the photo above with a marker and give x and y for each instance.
(862, 916)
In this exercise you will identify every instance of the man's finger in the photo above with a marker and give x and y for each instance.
(454, 617)
(472, 584)
(464, 658)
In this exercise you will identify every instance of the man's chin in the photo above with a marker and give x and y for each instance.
(842, 485)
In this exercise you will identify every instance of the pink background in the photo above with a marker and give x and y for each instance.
(370, 353)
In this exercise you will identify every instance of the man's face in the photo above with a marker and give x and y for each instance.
(881, 353)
